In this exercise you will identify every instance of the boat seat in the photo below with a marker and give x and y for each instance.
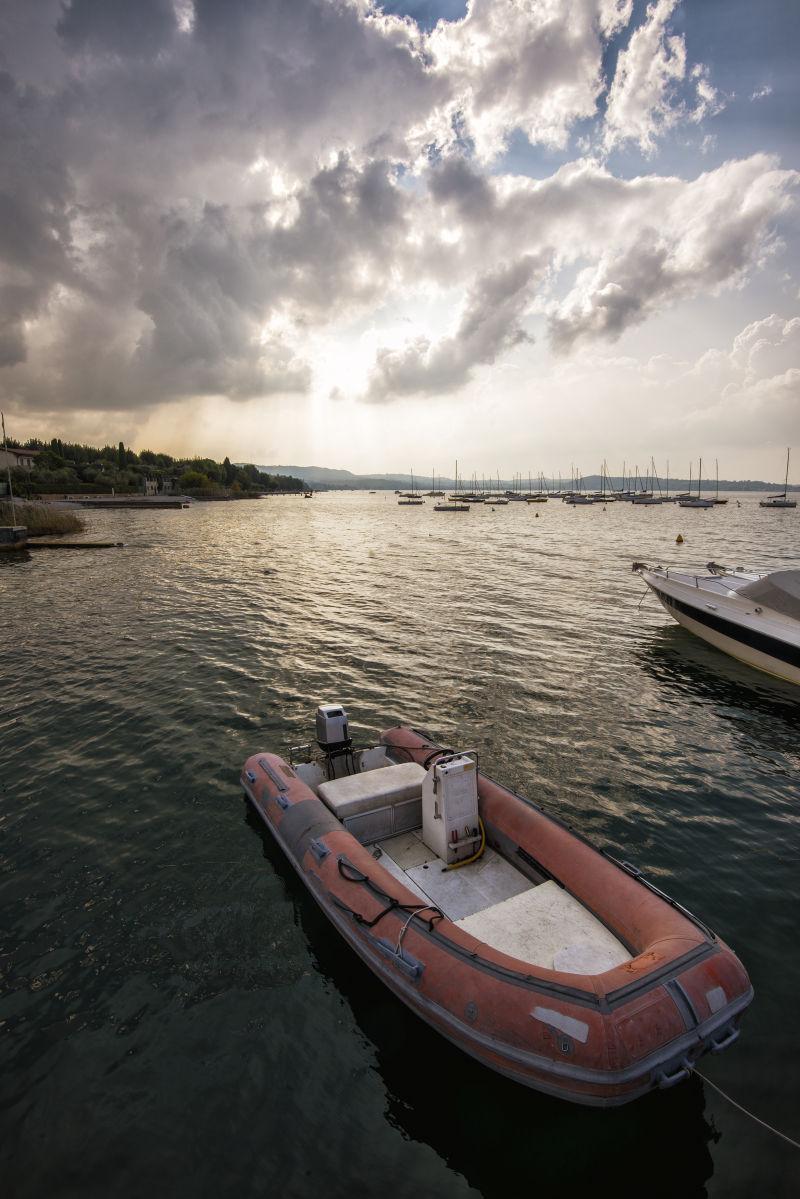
(382, 788)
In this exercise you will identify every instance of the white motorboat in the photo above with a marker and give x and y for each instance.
(751, 616)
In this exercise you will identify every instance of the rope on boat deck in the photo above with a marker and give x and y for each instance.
(763, 1123)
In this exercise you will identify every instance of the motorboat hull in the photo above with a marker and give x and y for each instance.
(696, 611)
(601, 1040)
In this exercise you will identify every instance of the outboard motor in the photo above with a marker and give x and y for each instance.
(333, 738)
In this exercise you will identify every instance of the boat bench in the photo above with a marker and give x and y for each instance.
(377, 803)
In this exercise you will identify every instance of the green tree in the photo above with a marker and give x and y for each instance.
(121, 460)
(195, 480)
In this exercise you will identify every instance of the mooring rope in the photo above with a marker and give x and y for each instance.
(763, 1123)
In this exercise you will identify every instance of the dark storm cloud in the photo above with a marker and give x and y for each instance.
(129, 28)
(35, 194)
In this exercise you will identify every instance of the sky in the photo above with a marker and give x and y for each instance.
(524, 234)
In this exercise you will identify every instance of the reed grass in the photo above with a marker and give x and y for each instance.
(41, 519)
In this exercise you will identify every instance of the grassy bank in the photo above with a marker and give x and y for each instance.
(41, 519)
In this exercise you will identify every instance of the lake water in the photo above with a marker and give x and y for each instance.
(177, 1017)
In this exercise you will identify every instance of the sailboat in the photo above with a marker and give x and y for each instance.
(538, 497)
(696, 501)
(411, 497)
(780, 500)
(717, 500)
(433, 491)
(646, 496)
(498, 498)
(454, 502)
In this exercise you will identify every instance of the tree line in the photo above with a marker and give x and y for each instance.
(70, 466)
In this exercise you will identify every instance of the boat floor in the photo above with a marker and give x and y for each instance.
(540, 924)
(458, 893)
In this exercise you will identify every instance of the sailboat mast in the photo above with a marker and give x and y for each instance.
(11, 489)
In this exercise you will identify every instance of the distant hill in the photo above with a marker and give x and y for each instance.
(328, 479)
(324, 477)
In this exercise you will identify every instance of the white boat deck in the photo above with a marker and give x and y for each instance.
(496, 903)
(458, 893)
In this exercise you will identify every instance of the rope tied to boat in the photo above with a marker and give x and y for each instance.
(392, 904)
(763, 1123)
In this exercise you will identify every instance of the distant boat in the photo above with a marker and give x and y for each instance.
(717, 500)
(649, 497)
(780, 500)
(410, 498)
(433, 492)
(697, 501)
(454, 503)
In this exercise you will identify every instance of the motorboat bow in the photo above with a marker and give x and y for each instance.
(505, 930)
(752, 616)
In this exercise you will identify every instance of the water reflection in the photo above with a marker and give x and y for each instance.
(756, 705)
(14, 557)
(499, 1135)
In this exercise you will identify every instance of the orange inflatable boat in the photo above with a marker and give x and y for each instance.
(540, 956)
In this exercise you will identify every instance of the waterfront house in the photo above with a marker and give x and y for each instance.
(18, 459)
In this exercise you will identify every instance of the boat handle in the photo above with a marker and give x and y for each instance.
(448, 755)
(270, 773)
(665, 1081)
(731, 1036)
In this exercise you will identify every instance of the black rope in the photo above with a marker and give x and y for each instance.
(392, 904)
(427, 761)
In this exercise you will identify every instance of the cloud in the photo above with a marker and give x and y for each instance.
(749, 394)
(191, 194)
(490, 325)
(118, 27)
(36, 192)
(645, 98)
(739, 402)
(221, 294)
(708, 234)
(766, 349)
(507, 66)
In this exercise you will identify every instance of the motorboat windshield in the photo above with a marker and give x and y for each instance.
(779, 590)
